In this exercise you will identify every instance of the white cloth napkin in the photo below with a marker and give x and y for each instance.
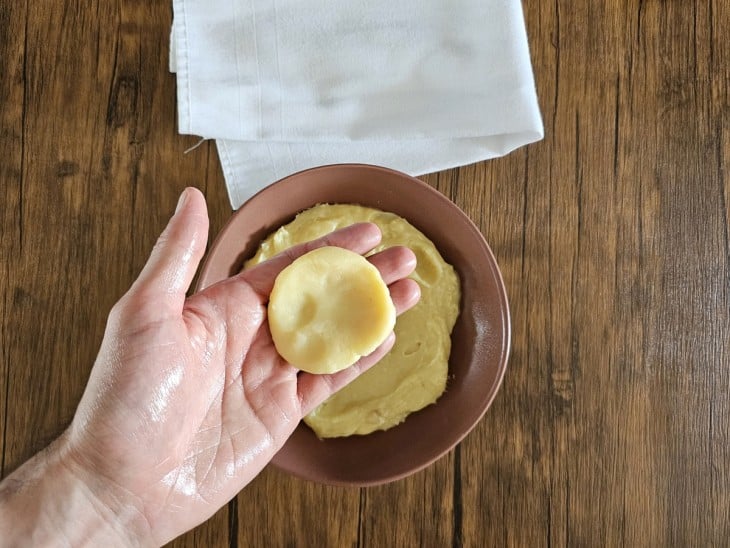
(415, 85)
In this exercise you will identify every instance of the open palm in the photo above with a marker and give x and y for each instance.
(188, 399)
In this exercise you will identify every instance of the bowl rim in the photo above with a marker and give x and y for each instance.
(506, 335)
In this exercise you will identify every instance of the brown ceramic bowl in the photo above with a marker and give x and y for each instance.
(481, 337)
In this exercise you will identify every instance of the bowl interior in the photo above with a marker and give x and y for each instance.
(480, 341)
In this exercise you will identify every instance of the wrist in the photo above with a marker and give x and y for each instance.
(49, 500)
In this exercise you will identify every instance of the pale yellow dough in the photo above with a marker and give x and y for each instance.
(414, 373)
(327, 309)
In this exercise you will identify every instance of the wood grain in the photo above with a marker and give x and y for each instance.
(613, 423)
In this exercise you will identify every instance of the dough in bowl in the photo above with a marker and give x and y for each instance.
(414, 373)
(327, 309)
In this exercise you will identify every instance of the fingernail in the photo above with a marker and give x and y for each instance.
(182, 200)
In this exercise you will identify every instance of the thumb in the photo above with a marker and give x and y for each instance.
(171, 267)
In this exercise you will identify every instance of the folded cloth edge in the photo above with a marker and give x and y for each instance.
(243, 179)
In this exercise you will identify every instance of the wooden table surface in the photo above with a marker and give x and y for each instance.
(613, 423)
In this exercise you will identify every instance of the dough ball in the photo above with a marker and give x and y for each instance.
(327, 309)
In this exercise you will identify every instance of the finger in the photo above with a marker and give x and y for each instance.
(176, 255)
(314, 389)
(394, 263)
(405, 294)
(360, 238)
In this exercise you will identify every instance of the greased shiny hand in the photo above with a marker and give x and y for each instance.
(188, 399)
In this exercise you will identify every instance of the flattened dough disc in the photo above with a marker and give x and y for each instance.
(329, 308)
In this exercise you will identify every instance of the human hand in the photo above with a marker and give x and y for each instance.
(188, 399)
